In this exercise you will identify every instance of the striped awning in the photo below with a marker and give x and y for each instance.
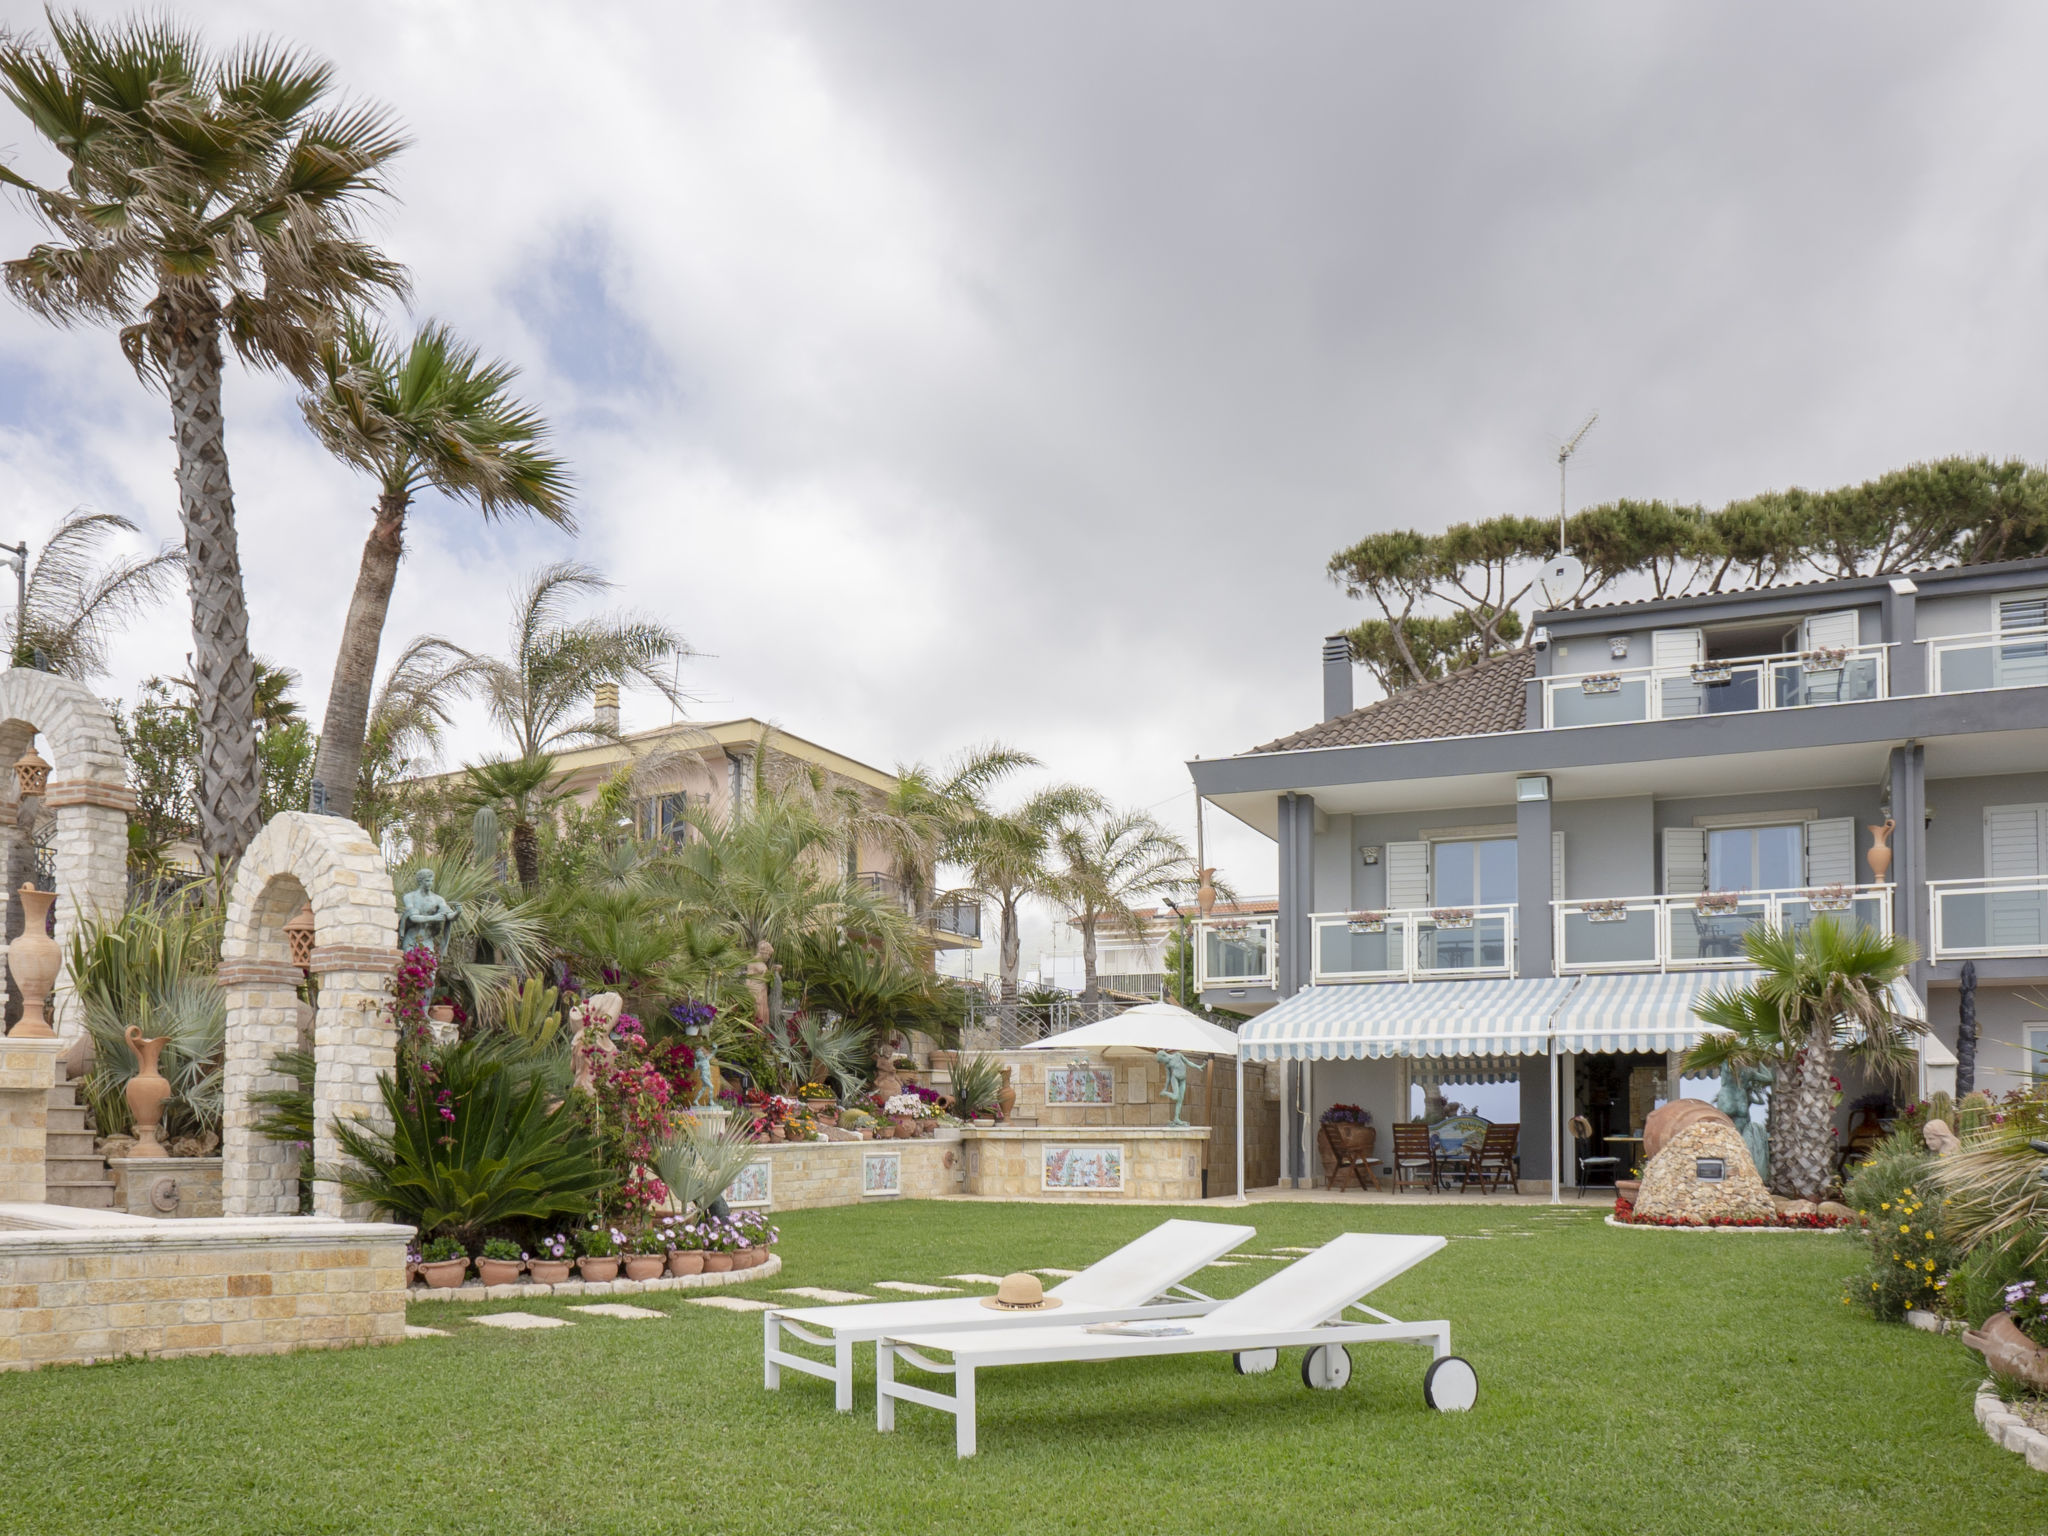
(1505, 1017)
(1655, 1012)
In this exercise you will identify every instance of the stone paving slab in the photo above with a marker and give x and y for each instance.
(413, 1332)
(617, 1309)
(912, 1288)
(1057, 1274)
(521, 1321)
(823, 1293)
(730, 1303)
(978, 1279)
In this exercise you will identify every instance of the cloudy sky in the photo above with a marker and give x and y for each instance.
(949, 372)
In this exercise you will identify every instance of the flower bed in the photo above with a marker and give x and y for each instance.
(1625, 1216)
(474, 1290)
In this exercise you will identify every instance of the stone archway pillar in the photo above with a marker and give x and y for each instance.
(354, 1043)
(259, 1177)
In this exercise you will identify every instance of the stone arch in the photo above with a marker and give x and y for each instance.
(89, 797)
(298, 858)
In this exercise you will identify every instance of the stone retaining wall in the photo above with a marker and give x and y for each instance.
(167, 1186)
(82, 1286)
(28, 1070)
(806, 1174)
(1150, 1162)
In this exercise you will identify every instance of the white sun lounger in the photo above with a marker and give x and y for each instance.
(1123, 1284)
(1303, 1304)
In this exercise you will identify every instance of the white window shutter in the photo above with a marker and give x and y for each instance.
(1677, 647)
(2029, 612)
(1836, 631)
(1685, 861)
(1831, 851)
(1557, 866)
(1407, 875)
(2012, 841)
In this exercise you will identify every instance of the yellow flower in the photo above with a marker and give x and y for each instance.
(1903, 1227)
(1873, 1285)
(1886, 1206)
(1909, 1191)
(1895, 1258)
(1930, 1264)
(1930, 1238)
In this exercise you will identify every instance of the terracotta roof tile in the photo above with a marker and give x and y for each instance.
(1478, 700)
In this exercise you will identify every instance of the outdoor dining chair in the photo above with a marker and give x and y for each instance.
(1414, 1157)
(1348, 1158)
(1582, 1136)
(1492, 1163)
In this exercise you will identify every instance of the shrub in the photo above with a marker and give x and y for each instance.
(1895, 1192)
(977, 1086)
(501, 1248)
(699, 1165)
(152, 967)
(600, 1242)
(442, 1249)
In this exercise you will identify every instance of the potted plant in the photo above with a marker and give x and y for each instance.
(648, 1256)
(904, 1111)
(443, 1263)
(719, 1243)
(685, 1248)
(757, 1236)
(412, 1262)
(552, 1266)
(599, 1246)
(499, 1262)
(1354, 1131)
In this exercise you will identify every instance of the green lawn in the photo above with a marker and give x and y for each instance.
(1630, 1382)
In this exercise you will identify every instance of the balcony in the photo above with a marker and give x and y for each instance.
(1989, 919)
(1971, 663)
(956, 916)
(1698, 933)
(1235, 952)
(1421, 944)
(1743, 685)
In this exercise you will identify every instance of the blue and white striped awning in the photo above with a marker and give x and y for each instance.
(1653, 1012)
(1506, 1017)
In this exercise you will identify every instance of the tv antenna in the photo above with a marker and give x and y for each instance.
(1563, 576)
(1564, 454)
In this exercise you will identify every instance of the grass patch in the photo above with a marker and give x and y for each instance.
(1629, 1381)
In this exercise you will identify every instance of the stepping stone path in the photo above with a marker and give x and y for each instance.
(1223, 1264)
(911, 1287)
(413, 1332)
(619, 1310)
(1057, 1274)
(1284, 1249)
(521, 1320)
(821, 1293)
(978, 1279)
(730, 1303)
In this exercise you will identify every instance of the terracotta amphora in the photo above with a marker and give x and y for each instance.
(33, 961)
(146, 1091)
(1880, 855)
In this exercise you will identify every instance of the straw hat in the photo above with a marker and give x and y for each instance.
(1020, 1293)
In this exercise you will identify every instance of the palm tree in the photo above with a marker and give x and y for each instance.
(76, 602)
(406, 721)
(208, 199)
(433, 415)
(519, 790)
(1108, 862)
(1005, 854)
(537, 693)
(1824, 992)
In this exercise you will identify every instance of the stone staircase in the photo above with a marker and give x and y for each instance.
(73, 1173)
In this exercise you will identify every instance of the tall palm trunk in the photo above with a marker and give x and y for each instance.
(1008, 951)
(1091, 993)
(355, 664)
(1802, 1123)
(526, 854)
(223, 675)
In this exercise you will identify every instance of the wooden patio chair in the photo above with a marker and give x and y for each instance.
(1414, 1157)
(1492, 1163)
(1359, 1164)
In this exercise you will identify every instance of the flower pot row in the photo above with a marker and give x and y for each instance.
(450, 1273)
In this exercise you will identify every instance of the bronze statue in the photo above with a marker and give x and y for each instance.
(1176, 1087)
(1740, 1087)
(429, 917)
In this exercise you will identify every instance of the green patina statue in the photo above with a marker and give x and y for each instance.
(428, 917)
(1176, 1087)
(1741, 1087)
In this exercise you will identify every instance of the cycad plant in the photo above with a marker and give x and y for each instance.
(1824, 993)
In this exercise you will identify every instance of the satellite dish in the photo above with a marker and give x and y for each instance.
(1560, 580)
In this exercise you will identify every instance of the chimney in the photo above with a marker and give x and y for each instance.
(1336, 676)
(607, 710)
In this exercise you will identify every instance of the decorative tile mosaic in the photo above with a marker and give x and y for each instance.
(752, 1186)
(881, 1173)
(1080, 1083)
(1093, 1166)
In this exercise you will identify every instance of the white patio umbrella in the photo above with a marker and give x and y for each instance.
(1147, 1027)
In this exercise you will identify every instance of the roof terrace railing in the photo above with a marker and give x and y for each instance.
(1236, 952)
(2011, 658)
(1415, 944)
(1739, 685)
(1697, 933)
(1989, 919)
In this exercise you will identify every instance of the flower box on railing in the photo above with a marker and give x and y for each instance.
(1604, 911)
(1712, 674)
(1825, 658)
(1831, 898)
(1451, 917)
(1717, 903)
(1366, 922)
(1230, 930)
(1600, 682)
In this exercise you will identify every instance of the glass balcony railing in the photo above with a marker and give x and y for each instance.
(1704, 932)
(1989, 919)
(1420, 943)
(1744, 685)
(1235, 952)
(1970, 663)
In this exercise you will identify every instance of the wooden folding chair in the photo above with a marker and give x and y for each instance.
(1493, 1163)
(1414, 1157)
(1361, 1169)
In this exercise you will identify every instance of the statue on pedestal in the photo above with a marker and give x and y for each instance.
(428, 917)
(1176, 1088)
(1740, 1087)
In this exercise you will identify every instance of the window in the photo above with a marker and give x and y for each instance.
(1474, 874)
(661, 818)
(2035, 1068)
(1755, 858)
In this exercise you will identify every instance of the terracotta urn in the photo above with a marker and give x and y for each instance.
(777, 1133)
(1006, 1100)
(445, 1275)
(2008, 1351)
(33, 961)
(146, 1092)
(645, 1266)
(412, 1272)
(686, 1262)
(905, 1129)
(594, 1269)
(1880, 855)
(717, 1263)
(497, 1271)
(548, 1271)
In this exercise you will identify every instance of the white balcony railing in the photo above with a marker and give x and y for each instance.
(1693, 933)
(1236, 952)
(1792, 680)
(1422, 943)
(1969, 663)
(1989, 919)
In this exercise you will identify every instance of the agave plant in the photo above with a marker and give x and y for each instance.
(699, 1166)
(977, 1085)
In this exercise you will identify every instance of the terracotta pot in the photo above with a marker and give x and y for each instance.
(498, 1271)
(1628, 1189)
(2008, 1351)
(717, 1263)
(412, 1273)
(598, 1269)
(645, 1266)
(1006, 1100)
(1668, 1119)
(903, 1130)
(756, 1257)
(548, 1271)
(683, 1262)
(777, 1133)
(146, 1092)
(1880, 855)
(445, 1275)
(32, 961)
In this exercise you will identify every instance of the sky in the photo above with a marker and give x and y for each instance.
(949, 373)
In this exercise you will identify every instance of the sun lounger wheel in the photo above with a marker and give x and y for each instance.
(1451, 1385)
(1326, 1367)
(1254, 1362)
